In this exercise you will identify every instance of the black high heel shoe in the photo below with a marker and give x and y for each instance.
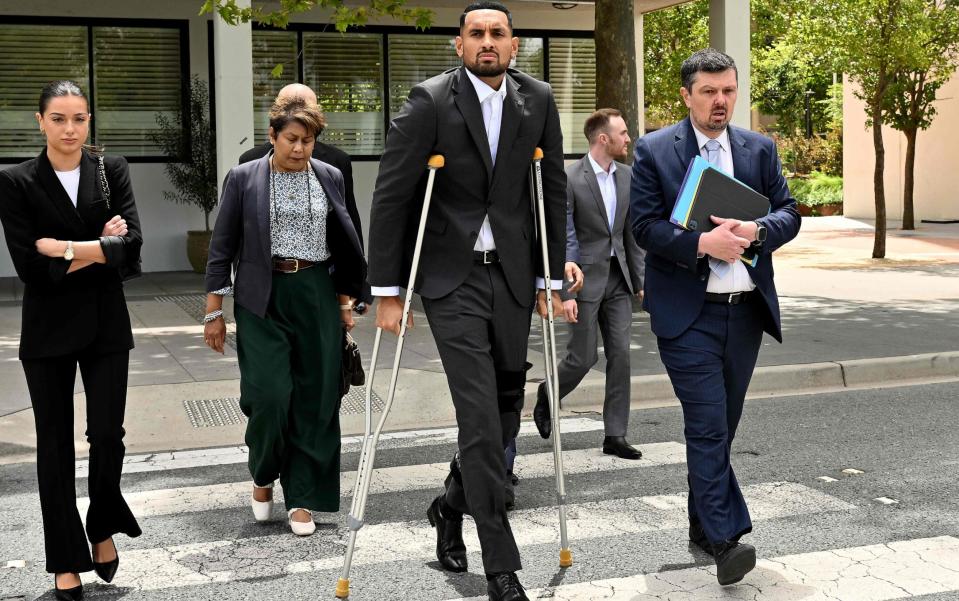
(108, 569)
(69, 594)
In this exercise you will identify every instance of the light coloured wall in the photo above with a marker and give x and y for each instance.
(937, 161)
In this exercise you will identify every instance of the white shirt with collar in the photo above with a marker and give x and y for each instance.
(607, 188)
(491, 103)
(736, 279)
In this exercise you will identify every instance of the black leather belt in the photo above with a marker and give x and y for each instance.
(728, 298)
(485, 257)
(291, 265)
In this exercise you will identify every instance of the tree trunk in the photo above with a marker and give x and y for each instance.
(879, 244)
(616, 83)
(909, 182)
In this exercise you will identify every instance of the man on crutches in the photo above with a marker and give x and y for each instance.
(478, 262)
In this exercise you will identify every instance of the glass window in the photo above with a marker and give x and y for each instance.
(416, 58)
(572, 73)
(137, 72)
(346, 72)
(274, 66)
(529, 59)
(35, 55)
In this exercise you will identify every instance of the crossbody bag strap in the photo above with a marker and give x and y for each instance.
(104, 184)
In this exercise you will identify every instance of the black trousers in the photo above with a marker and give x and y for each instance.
(50, 382)
(482, 333)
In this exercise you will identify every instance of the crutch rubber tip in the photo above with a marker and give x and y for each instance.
(436, 161)
(538, 154)
(342, 588)
(565, 558)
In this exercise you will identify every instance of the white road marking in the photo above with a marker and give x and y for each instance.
(886, 501)
(173, 501)
(827, 479)
(852, 471)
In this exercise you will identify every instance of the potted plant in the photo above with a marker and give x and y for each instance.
(817, 194)
(194, 180)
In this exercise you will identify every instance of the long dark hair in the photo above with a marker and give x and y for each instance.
(65, 87)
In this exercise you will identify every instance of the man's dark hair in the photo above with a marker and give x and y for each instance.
(598, 123)
(708, 60)
(486, 5)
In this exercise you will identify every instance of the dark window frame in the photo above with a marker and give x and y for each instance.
(183, 25)
(386, 30)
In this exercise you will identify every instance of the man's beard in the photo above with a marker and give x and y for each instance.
(487, 70)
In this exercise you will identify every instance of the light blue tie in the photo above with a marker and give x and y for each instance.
(720, 268)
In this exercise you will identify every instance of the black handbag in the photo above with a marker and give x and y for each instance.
(351, 370)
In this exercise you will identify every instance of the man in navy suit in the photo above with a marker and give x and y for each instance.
(708, 308)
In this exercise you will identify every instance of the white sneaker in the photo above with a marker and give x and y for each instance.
(262, 510)
(301, 528)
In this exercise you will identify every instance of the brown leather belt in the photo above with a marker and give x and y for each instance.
(291, 265)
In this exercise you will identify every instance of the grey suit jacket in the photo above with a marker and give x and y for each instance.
(589, 239)
(241, 237)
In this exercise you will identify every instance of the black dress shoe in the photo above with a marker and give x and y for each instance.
(512, 477)
(67, 594)
(617, 445)
(108, 569)
(698, 537)
(505, 587)
(450, 548)
(541, 412)
(733, 561)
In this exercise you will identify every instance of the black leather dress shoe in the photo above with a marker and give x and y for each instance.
(698, 537)
(617, 445)
(541, 415)
(505, 587)
(733, 561)
(450, 548)
(107, 569)
(67, 594)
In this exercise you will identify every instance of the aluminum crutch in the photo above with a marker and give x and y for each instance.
(364, 471)
(549, 355)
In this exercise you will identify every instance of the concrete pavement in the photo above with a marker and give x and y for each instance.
(849, 321)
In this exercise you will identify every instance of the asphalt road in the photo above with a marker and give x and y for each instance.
(887, 530)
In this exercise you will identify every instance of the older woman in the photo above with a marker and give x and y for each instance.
(71, 225)
(299, 264)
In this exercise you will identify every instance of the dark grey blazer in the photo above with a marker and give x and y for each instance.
(588, 236)
(443, 116)
(241, 236)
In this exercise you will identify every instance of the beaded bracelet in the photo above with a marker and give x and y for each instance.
(212, 316)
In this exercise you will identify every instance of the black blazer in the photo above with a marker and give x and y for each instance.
(65, 313)
(676, 279)
(241, 237)
(337, 158)
(443, 116)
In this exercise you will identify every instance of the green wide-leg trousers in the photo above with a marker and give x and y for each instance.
(289, 389)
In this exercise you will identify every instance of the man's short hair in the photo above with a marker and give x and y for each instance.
(598, 123)
(708, 60)
(486, 5)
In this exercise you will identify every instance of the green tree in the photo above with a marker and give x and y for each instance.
(931, 62)
(343, 16)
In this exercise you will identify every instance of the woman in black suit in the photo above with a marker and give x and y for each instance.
(284, 224)
(71, 226)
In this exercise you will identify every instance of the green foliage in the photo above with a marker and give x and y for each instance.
(817, 189)
(343, 16)
(782, 74)
(669, 37)
(801, 155)
(194, 181)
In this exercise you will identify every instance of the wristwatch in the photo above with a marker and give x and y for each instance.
(68, 253)
(760, 234)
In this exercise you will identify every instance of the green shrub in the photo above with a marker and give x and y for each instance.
(817, 189)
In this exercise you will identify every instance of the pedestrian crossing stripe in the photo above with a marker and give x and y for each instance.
(276, 555)
(173, 501)
(898, 570)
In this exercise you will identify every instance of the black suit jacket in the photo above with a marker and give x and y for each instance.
(65, 313)
(339, 159)
(676, 279)
(241, 237)
(443, 116)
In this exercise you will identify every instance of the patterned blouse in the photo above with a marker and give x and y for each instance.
(298, 210)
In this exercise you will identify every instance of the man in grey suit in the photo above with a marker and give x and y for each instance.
(601, 242)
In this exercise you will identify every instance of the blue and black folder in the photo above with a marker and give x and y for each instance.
(707, 191)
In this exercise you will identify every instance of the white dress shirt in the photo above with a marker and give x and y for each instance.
(491, 103)
(71, 183)
(736, 279)
(607, 188)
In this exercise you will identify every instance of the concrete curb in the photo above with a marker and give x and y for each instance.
(782, 380)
